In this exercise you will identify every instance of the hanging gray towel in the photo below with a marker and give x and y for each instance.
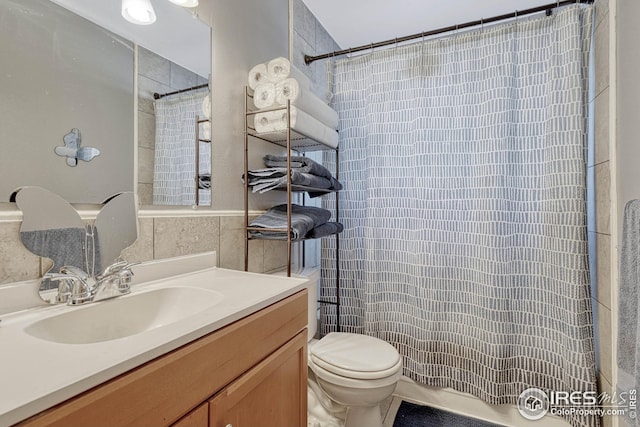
(64, 246)
(629, 304)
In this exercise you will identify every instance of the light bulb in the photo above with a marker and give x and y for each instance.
(185, 3)
(138, 12)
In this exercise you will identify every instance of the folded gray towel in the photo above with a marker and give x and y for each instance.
(263, 180)
(302, 164)
(326, 229)
(303, 219)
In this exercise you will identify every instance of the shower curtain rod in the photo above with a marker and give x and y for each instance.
(162, 95)
(308, 59)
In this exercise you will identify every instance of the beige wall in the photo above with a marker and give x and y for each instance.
(600, 229)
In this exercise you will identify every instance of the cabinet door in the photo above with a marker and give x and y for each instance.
(272, 394)
(199, 417)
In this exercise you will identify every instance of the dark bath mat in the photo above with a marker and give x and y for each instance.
(412, 415)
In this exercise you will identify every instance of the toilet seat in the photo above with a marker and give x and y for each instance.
(356, 356)
(356, 383)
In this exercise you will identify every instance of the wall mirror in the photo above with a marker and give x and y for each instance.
(72, 67)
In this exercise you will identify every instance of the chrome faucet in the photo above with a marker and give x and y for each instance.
(77, 287)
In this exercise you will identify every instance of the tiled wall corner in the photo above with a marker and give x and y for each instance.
(311, 38)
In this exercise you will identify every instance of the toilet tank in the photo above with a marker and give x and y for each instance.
(312, 275)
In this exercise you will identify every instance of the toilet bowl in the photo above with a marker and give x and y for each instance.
(354, 372)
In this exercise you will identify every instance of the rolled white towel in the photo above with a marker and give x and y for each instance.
(206, 107)
(264, 95)
(257, 75)
(280, 68)
(303, 98)
(275, 121)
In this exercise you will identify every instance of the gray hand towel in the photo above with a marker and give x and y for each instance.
(629, 305)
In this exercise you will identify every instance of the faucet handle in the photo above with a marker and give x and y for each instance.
(83, 285)
(64, 287)
(66, 284)
(117, 267)
(73, 271)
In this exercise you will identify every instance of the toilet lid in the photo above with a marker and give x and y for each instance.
(356, 356)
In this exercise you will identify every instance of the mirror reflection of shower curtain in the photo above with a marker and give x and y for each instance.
(465, 245)
(174, 165)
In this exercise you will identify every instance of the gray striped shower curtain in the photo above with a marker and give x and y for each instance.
(465, 244)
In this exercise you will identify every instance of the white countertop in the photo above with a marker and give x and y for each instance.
(36, 374)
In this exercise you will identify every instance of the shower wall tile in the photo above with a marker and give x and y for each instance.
(604, 386)
(603, 198)
(146, 88)
(146, 130)
(601, 56)
(601, 11)
(232, 242)
(145, 165)
(301, 48)
(16, 262)
(145, 193)
(142, 249)
(603, 269)
(275, 255)
(256, 256)
(305, 22)
(154, 66)
(601, 126)
(605, 340)
(181, 78)
(175, 236)
(311, 38)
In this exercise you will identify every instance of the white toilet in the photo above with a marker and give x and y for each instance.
(354, 371)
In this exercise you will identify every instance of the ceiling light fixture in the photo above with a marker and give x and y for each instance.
(138, 12)
(185, 3)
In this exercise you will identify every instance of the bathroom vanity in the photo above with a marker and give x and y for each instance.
(239, 362)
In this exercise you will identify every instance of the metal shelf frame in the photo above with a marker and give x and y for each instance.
(296, 141)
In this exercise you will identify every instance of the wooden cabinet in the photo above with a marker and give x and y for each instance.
(257, 364)
(272, 394)
(199, 417)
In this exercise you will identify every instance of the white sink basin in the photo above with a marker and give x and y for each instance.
(124, 316)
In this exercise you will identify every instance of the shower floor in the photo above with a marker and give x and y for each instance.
(413, 415)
